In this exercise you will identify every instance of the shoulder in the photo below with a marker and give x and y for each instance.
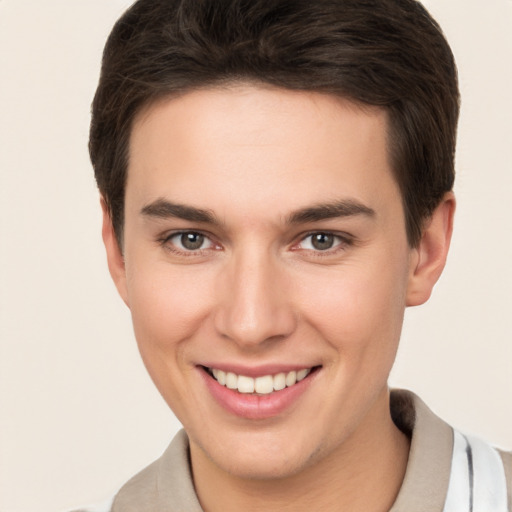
(166, 484)
(506, 458)
(139, 486)
(507, 462)
(445, 466)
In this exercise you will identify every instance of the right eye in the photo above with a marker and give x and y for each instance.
(189, 241)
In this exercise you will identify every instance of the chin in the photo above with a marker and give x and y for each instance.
(261, 456)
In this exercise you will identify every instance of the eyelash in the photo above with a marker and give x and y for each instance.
(342, 241)
(165, 240)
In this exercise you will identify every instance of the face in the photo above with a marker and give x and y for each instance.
(267, 269)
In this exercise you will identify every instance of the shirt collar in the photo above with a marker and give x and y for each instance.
(167, 484)
(427, 475)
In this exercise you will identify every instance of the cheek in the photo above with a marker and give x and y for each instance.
(167, 303)
(358, 309)
(168, 307)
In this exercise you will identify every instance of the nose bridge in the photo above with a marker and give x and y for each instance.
(255, 306)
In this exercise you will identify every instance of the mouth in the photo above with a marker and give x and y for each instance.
(261, 385)
(264, 394)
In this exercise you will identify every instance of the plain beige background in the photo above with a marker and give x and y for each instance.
(78, 414)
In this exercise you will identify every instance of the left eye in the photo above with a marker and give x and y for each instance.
(320, 241)
(190, 241)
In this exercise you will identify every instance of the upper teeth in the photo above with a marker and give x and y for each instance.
(263, 385)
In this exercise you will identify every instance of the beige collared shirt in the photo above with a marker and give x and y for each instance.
(166, 485)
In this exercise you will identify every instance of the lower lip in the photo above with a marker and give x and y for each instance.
(256, 407)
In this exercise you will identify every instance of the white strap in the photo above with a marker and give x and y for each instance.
(458, 497)
(477, 479)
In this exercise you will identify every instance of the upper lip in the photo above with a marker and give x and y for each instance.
(258, 371)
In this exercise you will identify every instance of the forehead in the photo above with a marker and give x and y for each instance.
(260, 145)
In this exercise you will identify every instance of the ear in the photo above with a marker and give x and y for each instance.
(115, 257)
(429, 257)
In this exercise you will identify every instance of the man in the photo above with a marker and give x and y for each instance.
(276, 182)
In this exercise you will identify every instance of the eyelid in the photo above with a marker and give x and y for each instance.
(344, 240)
(165, 241)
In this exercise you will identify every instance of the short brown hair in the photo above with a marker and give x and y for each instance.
(386, 53)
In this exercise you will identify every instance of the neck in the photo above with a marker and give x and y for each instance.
(363, 475)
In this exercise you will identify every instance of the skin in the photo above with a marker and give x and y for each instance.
(258, 292)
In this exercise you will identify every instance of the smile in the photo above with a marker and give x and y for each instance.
(263, 385)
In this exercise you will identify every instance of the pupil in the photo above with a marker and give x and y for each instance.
(192, 241)
(322, 241)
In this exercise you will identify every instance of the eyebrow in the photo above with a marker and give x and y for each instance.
(164, 209)
(324, 211)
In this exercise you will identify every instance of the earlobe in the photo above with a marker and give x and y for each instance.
(115, 257)
(429, 258)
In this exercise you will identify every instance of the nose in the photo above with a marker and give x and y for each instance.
(255, 306)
